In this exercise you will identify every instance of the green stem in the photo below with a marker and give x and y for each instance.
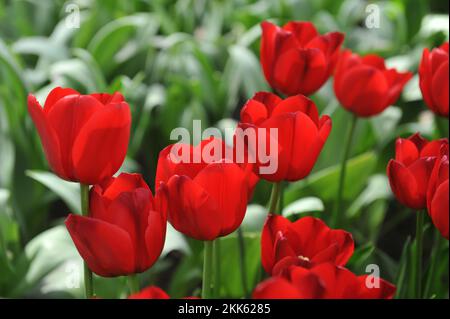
(274, 197)
(133, 284)
(434, 258)
(88, 280)
(419, 249)
(207, 270)
(242, 262)
(335, 218)
(217, 270)
(440, 126)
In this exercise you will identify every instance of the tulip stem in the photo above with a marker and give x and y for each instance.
(335, 218)
(88, 280)
(216, 256)
(440, 126)
(207, 270)
(434, 258)
(242, 261)
(133, 284)
(274, 198)
(418, 255)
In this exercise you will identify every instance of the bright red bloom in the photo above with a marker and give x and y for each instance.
(201, 205)
(296, 59)
(306, 242)
(85, 137)
(324, 281)
(126, 229)
(437, 195)
(301, 133)
(364, 86)
(151, 292)
(433, 79)
(410, 171)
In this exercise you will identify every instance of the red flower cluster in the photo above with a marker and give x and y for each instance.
(203, 190)
(306, 260)
(324, 281)
(419, 177)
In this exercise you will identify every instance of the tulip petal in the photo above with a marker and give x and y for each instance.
(439, 209)
(191, 209)
(298, 103)
(101, 146)
(216, 179)
(440, 88)
(55, 95)
(300, 71)
(49, 139)
(363, 90)
(399, 176)
(276, 288)
(406, 151)
(272, 225)
(304, 31)
(106, 248)
(67, 117)
(151, 292)
(269, 99)
(312, 238)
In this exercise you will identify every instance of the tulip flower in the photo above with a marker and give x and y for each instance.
(125, 231)
(85, 137)
(200, 205)
(410, 171)
(364, 86)
(151, 292)
(301, 134)
(433, 79)
(296, 59)
(306, 242)
(437, 193)
(324, 281)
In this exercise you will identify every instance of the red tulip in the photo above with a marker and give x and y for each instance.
(433, 75)
(324, 281)
(306, 242)
(201, 205)
(410, 171)
(151, 292)
(364, 86)
(437, 194)
(296, 59)
(301, 133)
(85, 137)
(126, 229)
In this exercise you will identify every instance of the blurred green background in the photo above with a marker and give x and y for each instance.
(179, 60)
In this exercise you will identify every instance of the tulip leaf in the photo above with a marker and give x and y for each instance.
(254, 219)
(67, 191)
(303, 205)
(324, 183)
(231, 280)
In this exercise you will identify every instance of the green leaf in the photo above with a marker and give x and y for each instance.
(303, 205)
(324, 184)
(377, 188)
(231, 284)
(67, 191)
(254, 219)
